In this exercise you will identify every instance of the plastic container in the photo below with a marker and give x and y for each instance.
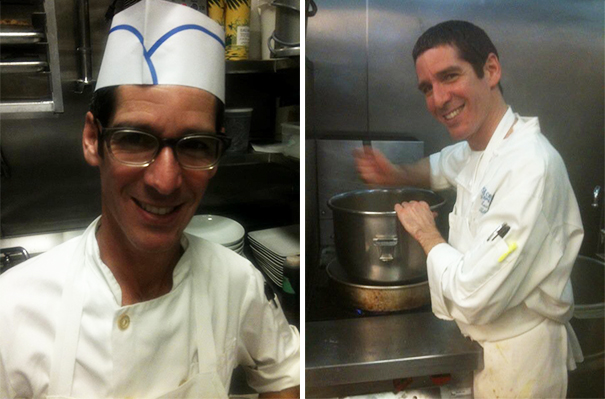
(237, 126)
(267, 26)
(291, 138)
(254, 52)
(286, 37)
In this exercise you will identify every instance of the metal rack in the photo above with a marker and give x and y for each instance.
(40, 39)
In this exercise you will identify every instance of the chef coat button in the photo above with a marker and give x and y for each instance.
(124, 322)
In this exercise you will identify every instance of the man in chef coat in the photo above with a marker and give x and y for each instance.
(515, 230)
(134, 307)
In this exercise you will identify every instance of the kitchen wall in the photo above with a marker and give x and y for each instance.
(552, 59)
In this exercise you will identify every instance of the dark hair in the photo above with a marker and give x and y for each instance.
(103, 105)
(472, 43)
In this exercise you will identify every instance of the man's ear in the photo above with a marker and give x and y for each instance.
(493, 70)
(90, 138)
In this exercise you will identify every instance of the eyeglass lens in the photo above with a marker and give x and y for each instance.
(138, 148)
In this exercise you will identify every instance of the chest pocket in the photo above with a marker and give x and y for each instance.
(459, 236)
(465, 218)
(474, 218)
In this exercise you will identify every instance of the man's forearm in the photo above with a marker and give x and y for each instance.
(416, 174)
(430, 240)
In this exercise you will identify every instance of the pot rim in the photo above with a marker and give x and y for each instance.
(336, 197)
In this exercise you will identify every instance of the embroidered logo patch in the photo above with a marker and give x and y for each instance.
(486, 200)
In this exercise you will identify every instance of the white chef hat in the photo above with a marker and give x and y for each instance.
(159, 42)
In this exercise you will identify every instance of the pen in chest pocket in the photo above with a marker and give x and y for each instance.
(501, 231)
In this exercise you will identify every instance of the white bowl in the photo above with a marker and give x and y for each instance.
(217, 229)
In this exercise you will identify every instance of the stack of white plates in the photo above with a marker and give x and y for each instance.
(220, 230)
(271, 247)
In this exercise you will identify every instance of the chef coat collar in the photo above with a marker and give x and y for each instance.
(468, 175)
(504, 126)
(93, 258)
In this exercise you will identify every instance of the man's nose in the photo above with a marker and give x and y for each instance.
(165, 173)
(441, 95)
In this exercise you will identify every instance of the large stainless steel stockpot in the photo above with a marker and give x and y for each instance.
(371, 244)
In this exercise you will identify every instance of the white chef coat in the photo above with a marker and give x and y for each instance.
(517, 306)
(147, 349)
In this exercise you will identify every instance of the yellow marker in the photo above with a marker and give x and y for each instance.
(511, 249)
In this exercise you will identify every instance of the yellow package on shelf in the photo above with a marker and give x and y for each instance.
(216, 11)
(237, 29)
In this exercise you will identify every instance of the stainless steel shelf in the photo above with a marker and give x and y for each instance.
(21, 107)
(26, 108)
(261, 66)
(21, 37)
(39, 243)
(386, 347)
(23, 66)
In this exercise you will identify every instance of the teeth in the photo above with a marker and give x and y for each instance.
(156, 210)
(453, 114)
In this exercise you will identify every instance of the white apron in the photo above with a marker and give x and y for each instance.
(206, 384)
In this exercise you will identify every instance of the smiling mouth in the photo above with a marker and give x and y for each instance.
(156, 210)
(453, 114)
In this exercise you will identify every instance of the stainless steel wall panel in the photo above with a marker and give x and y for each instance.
(312, 239)
(395, 103)
(338, 43)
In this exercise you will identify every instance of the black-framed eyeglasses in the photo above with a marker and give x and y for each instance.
(134, 147)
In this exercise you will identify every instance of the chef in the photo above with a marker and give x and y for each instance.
(515, 230)
(134, 307)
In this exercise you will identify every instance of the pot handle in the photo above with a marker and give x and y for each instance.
(386, 245)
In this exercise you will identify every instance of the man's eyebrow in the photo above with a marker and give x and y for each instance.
(423, 85)
(150, 128)
(453, 69)
(441, 75)
(140, 126)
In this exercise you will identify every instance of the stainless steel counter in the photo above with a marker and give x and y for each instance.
(390, 347)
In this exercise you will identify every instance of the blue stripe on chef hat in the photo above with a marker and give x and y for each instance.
(158, 42)
(148, 53)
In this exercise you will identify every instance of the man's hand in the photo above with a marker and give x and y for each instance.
(418, 220)
(375, 169)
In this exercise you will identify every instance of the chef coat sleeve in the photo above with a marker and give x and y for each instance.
(446, 164)
(478, 285)
(269, 347)
(6, 390)
(3, 380)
